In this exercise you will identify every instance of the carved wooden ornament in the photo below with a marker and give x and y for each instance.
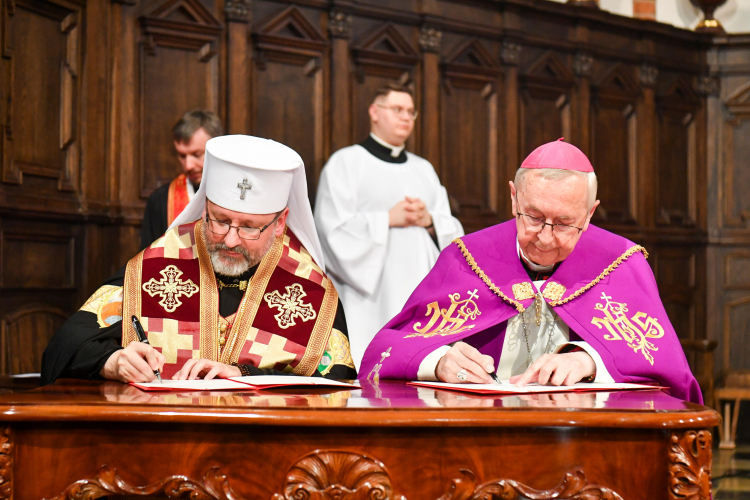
(574, 486)
(690, 465)
(337, 475)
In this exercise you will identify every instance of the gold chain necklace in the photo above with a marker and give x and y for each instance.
(242, 285)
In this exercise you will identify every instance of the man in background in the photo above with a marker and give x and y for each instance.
(382, 217)
(191, 133)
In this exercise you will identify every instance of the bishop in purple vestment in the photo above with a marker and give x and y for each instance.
(546, 297)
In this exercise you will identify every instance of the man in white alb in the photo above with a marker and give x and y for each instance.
(382, 217)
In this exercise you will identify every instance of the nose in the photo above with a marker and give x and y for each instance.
(192, 162)
(546, 237)
(232, 239)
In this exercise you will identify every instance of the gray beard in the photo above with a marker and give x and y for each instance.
(233, 266)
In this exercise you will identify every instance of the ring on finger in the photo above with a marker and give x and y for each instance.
(461, 375)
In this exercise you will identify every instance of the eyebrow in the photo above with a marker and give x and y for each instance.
(561, 217)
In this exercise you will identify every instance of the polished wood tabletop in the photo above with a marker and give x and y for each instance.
(386, 441)
(388, 403)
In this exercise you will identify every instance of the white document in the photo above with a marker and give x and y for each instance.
(217, 384)
(263, 381)
(505, 387)
(241, 383)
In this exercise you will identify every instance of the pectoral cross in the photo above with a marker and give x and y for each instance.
(244, 186)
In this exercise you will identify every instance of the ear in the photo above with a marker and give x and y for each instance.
(591, 214)
(281, 222)
(373, 112)
(514, 208)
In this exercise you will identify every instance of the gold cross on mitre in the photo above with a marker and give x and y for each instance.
(170, 288)
(244, 186)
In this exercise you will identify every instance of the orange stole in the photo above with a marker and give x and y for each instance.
(283, 321)
(177, 198)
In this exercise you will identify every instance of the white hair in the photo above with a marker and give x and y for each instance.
(555, 174)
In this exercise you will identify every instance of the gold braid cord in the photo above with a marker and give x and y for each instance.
(487, 281)
(622, 258)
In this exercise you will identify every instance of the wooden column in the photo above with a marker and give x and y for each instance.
(429, 40)
(510, 56)
(340, 30)
(238, 14)
(582, 129)
(647, 136)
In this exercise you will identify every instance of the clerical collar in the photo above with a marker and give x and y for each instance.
(535, 271)
(384, 151)
(395, 150)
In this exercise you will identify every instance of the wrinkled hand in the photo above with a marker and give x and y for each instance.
(462, 356)
(409, 212)
(557, 369)
(135, 363)
(205, 369)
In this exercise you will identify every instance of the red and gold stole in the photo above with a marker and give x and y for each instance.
(283, 321)
(177, 199)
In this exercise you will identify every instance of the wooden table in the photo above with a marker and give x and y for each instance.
(84, 440)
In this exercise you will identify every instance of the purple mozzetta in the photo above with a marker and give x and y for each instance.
(604, 291)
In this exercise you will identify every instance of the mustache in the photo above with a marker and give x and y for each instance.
(238, 249)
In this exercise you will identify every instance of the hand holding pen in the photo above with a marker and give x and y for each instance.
(142, 338)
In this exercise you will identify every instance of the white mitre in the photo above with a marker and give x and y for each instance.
(256, 176)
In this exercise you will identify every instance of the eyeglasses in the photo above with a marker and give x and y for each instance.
(244, 232)
(398, 111)
(536, 225)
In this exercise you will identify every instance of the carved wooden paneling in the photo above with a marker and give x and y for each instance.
(675, 271)
(470, 93)
(179, 42)
(735, 341)
(382, 56)
(736, 151)
(545, 102)
(41, 137)
(36, 260)
(737, 271)
(614, 143)
(676, 157)
(344, 475)
(289, 88)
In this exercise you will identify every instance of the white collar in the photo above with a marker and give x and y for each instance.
(534, 267)
(395, 150)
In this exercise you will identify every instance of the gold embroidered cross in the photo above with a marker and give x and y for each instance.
(290, 306)
(170, 288)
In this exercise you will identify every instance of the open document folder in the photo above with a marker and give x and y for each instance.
(242, 383)
(506, 387)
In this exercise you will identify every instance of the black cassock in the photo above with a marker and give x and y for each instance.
(80, 348)
(155, 216)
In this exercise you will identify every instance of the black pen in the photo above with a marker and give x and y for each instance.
(492, 374)
(142, 338)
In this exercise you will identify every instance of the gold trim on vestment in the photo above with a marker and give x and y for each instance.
(475, 267)
(630, 251)
(209, 297)
(321, 331)
(131, 298)
(487, 281)
(251, 301)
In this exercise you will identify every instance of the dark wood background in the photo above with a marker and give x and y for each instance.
(91, 88)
